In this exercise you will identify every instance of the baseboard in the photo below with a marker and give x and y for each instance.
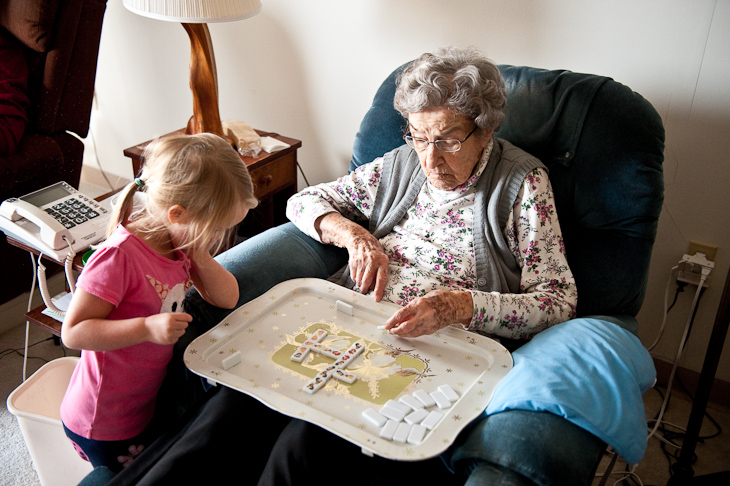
(720, 393)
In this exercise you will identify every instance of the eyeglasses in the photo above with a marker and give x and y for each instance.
(449, 145)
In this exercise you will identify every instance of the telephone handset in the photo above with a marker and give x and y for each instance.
(55, 220)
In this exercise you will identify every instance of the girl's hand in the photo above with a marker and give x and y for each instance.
(433, 311)
(167, 328)
(86, 326)
(199, 254)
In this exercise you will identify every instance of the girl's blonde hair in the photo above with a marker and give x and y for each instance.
(202, 173)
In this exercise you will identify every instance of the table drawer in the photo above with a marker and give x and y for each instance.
(274, 176)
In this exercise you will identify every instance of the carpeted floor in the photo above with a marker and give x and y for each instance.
(16, 467)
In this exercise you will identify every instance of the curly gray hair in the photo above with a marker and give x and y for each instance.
(463, 80)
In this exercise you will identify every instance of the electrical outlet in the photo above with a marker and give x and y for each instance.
(710, 251)
(694, 265)
(691, 275)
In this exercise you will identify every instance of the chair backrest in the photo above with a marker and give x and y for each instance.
(603, 145)
(61, 43)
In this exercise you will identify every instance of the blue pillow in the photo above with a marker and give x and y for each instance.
(589, 371)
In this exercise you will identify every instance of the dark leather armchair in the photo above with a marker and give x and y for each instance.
(59, 40)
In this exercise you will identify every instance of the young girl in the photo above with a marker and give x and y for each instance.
(126, 313)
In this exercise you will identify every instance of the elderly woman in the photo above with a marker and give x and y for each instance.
(461, 229)
(461, 225)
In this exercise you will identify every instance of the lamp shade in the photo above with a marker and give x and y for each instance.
(195, 11)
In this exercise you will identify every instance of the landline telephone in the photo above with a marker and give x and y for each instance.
(56, 220)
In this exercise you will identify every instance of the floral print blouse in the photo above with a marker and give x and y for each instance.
(432, 247)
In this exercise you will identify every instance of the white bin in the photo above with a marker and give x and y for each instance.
(36, 404)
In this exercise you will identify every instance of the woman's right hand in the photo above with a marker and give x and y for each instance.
(168, 327)
(367, 261)
(368, 264)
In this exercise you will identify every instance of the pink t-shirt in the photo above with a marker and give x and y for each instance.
(112, 394)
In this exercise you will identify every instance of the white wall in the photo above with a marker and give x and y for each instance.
(309, 70)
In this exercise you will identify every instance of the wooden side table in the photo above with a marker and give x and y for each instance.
(274, 176)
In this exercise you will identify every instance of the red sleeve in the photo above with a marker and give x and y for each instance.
(13, 94)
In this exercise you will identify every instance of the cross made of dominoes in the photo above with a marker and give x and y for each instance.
(336, 369)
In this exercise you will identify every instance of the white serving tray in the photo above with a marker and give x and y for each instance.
(266, 331)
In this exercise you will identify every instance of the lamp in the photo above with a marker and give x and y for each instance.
(194, 16)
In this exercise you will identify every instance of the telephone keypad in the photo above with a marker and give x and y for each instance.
(72, 212)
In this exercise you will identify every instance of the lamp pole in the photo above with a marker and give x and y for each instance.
(203, 82)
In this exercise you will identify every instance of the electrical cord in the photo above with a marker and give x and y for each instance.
(9, 351)
(714, 422)
(96, 151)
(27, 323)
(303, 175)
(680, 288)
(690, 318)
(667, 437)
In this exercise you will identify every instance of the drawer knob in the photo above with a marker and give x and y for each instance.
(266, 180)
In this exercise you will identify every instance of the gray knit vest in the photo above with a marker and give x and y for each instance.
(402, 179)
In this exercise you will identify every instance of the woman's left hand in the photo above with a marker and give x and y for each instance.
(433, 311)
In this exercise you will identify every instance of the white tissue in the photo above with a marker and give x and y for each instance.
(270, 144)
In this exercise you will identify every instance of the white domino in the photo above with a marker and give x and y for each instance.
(401, 433)
(423, 397)
(355, 350)
(393, 413)
(373, 416)
(388, 431)
(449, 393)
(416, 435)
(314, 385)
(318, 335)
(327, 372)
(231, 361)
(314, 344)
(398, 406)
(344, 307)
(407, 420)
(411, 402)
(300, 354)
(417, 416)
(329, 352)
(344, 376)
(441, 400)
(432, 420)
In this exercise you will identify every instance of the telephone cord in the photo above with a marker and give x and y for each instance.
(43, 284)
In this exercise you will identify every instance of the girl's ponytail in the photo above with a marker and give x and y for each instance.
(122, 210)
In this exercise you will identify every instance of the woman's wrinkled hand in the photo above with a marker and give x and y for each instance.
(434, 311)
(368, 265)
(367, 260)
